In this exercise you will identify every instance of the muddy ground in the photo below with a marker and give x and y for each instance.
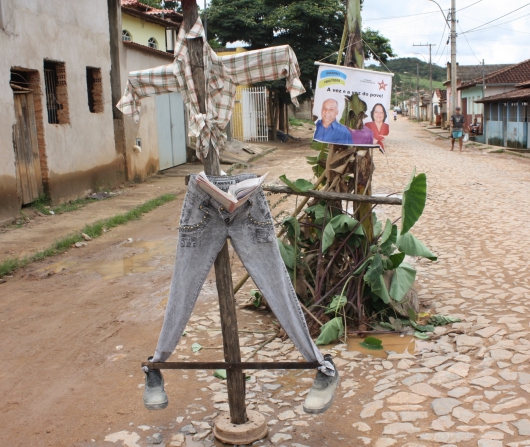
(76, 327)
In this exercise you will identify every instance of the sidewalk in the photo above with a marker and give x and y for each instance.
(481, 146)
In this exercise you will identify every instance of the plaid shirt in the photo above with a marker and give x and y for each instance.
(222, 75)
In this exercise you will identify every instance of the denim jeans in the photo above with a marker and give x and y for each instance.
(204, 228)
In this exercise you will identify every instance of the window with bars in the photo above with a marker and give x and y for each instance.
(126, 36)
(503, 111)
(512, 112)
(56, 92)
(494, 111)
(523, 116)
(94, 90)
(152, 43)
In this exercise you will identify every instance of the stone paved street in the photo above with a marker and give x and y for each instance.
(468, 387)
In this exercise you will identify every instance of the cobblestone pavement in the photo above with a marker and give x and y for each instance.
(468, 387)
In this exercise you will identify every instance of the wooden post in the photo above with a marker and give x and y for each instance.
(355, 58)
(223, 274)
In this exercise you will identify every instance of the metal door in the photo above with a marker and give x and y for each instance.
(255, 114)
(171, 127)
(29, 178)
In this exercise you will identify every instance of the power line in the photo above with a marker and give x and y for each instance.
(494, 20)
(400, 17)
(479, 61)
(503, 23)
(469, 6)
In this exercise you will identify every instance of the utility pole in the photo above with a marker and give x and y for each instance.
(418, 92)
(430, 45)
(454, 96)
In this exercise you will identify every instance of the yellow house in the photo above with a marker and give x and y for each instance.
(150, 27)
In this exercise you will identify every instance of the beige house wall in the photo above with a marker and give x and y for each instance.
(142, 164)
(81, 155)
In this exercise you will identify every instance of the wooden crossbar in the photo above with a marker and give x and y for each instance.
(231, 365)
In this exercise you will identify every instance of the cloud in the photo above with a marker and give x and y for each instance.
(420, 21)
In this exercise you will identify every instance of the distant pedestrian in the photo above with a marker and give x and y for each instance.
(395, 115)
(457, 128)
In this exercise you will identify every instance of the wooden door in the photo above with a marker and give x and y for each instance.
(29, 178)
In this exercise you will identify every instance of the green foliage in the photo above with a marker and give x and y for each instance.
(337, 303)
(331, 331)
(411, 246)
(402, 281)
(313, 28)
(196, 347)
(376, 46)
(258, 297)
(414, 199)
(341, 224)
(299, 185)
(372, 343)
(328, 249)
(408, 64)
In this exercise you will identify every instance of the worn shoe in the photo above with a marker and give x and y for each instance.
(155, 397)
(322, 392)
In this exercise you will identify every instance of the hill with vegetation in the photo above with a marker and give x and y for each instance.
(408, 64)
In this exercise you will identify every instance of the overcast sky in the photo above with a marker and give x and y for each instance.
(407, 22)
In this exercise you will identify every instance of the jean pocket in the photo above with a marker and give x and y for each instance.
(261, 229)
(192, 224)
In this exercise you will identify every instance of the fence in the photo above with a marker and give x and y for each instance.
(249, 117)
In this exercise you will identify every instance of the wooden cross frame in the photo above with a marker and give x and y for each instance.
(223, 275)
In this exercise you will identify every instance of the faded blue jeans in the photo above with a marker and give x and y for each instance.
(204, 228)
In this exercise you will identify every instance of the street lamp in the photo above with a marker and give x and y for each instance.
(452, 17)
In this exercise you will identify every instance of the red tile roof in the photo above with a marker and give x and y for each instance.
(517, 94)
(514, 74)
(523, 84)
(159, 16)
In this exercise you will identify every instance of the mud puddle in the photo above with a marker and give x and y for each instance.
(146, 257)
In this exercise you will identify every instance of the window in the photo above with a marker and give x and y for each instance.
(94, 90)
(494, 110)
(56, 92)
(512, 108)
(523, 115)
(126, 36)
(152, 43)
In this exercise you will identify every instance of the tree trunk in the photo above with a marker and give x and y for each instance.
(355, 58)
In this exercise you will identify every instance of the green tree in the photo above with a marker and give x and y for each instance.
(376, 46)
(313, 28)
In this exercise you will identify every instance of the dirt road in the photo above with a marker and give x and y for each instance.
(77, 326)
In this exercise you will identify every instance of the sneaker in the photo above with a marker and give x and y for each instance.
(155, 398)
(322, 392)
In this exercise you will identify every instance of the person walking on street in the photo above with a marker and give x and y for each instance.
(457, 128)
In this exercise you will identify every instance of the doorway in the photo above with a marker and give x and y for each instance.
(25, 137)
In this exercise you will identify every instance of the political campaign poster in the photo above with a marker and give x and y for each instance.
(334, 89)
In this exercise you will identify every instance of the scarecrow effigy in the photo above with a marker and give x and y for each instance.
(207, 84)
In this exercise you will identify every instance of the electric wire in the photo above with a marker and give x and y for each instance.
(494, 20)
(468, 44)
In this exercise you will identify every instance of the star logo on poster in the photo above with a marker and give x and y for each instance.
(382, 85)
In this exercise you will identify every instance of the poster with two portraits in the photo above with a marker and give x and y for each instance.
(335, 86)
